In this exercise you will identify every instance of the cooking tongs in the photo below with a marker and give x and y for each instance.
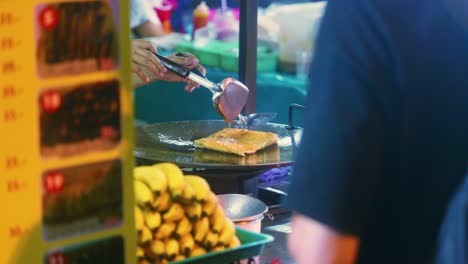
(229, 96)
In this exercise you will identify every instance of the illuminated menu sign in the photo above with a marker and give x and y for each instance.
(65, 132)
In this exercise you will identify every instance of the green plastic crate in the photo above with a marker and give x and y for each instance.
(252, 244)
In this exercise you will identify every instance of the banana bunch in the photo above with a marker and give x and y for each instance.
(177, 216)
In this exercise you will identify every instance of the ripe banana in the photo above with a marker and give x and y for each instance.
(143, 194)
(179, 258)
(218, 248)
(194, 211)
(188, 194)
(210, 205)
(165, 230)
(197, 251)
(164, 202)
(175, 213)
(186, 243)
(140, 253)
(183, 227)
(139, 220)
(201, 228)
(227, 233)
(174, 176)
(199, 186)
(172, 248)
(152, 219)
(211, 240)
(217, 219)
(153, 177)
(235, 242)
(154, 204)
(158, 248)
(145, 236)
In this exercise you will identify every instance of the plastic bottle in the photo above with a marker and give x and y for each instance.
(200, 16)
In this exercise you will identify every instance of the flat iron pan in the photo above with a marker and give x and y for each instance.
(173, 142)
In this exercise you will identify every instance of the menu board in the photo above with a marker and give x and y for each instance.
(65, 132)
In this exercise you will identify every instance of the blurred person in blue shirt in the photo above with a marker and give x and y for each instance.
(385, 142)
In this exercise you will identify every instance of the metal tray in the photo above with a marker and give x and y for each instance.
(252, 245)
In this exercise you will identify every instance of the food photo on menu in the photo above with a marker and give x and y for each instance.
(109, 250)
(81, 199)
(75, 38)
(79, 119)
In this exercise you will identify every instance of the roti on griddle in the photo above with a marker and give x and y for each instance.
(237, 141)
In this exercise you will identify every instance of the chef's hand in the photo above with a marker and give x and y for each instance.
(312, 242)
(189, 61)
(143, 61)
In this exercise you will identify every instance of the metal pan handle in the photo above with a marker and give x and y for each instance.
(291, 125)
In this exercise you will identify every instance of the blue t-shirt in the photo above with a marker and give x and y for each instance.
(385, 139)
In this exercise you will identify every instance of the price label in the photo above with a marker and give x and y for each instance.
(54, 182)
(15, 231)
(9, 67)
(13, 162)
(57, 258)
(11, 115)
(8, 43)
(10, 91)
(6, 18)
(13, 186)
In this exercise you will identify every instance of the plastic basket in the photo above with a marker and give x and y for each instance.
(252, 244)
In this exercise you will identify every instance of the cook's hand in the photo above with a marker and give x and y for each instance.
(189, 61)
(143, 58)
(313, 242)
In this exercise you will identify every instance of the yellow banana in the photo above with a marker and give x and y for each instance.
(194, 211)
(235, 242)
(174, 176)
(172, 248)
(158, 248)
(154, 204)
(163, 261)
(164, 202)
(179, 258)
(211, 240)
(210, 204)
(165, 230)
(153, 177)
(218, 248)
(152, 219)
(143, 194)
(183, 227)
(139, 220)
(197, 251)
(201, 228)
(188, 194)
(227, 233)
(217, 219)
(140, 253)
(145, 236)
(186, 243)
(200, 186)
(175, 213)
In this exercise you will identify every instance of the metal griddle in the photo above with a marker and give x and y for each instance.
(173, 142)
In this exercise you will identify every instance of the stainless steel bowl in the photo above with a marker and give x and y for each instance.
(242, 208)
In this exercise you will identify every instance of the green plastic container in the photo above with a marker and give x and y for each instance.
(266, 61)
(252, 245)
(225, 55)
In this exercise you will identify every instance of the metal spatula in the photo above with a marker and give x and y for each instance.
(229, 96)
